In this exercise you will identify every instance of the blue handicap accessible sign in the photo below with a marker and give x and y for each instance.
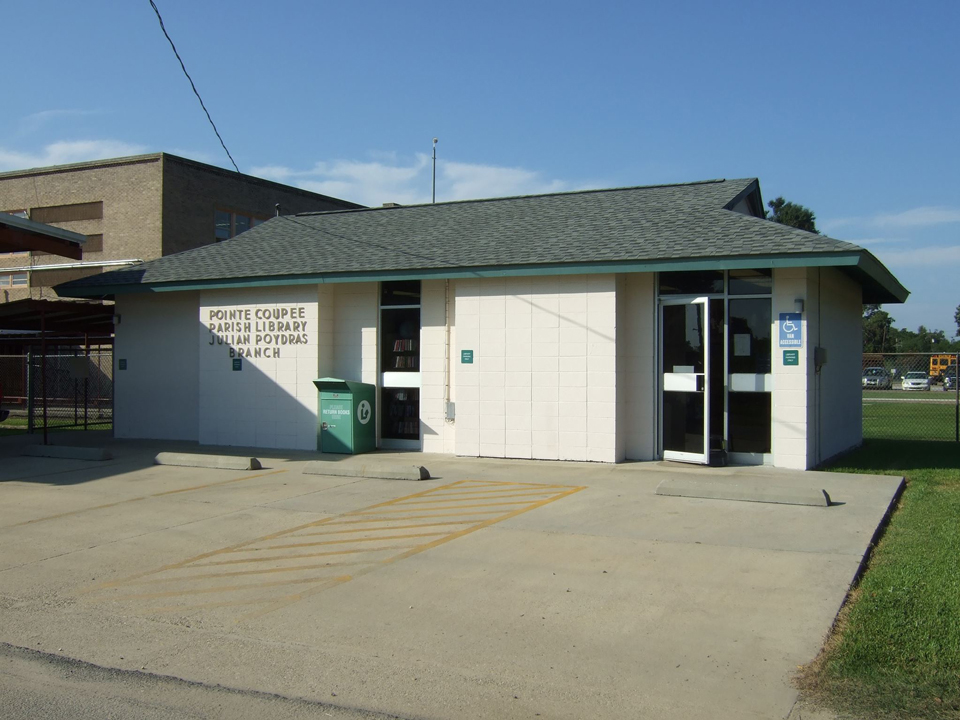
(790, 333)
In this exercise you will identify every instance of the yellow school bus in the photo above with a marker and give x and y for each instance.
(939, 363)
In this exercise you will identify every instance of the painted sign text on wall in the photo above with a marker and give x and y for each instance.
(257, 332)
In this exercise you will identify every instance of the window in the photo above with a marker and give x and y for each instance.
(93, 244)
(400, 360)
(697, 282)
(230, 224)
(17, 279)
(751, 282)
(68, 213)
(20, 214)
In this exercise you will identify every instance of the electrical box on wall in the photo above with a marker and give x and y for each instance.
(819, 357)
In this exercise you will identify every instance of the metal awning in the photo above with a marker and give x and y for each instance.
(64, 317)
(18, 234)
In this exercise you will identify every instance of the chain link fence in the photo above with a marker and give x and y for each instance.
(911, 396)
(72, 387)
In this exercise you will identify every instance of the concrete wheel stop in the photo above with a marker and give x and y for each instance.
(744, 489)
(66, 452)
(214, 462)
(344, 468)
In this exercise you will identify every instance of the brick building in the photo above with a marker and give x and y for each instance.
(135, 209)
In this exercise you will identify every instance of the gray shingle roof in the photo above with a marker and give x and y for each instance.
(655, 223)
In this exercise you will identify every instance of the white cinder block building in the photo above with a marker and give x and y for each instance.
(628, 324)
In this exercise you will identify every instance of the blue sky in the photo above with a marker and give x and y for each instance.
(848, 108)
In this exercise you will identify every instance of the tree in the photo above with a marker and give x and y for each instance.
(788, 213)
(878, 333)
(956, 319)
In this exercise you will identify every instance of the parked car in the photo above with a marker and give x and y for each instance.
(916, 381)
(950, 381)
(950, 371)
(876, 378)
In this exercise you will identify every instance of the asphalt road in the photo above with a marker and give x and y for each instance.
(41, 685)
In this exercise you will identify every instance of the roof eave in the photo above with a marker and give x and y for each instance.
(879, 284)
(874, 277)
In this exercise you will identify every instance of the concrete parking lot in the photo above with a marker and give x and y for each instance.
(496, 589)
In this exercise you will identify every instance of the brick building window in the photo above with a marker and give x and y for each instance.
(20, 214)
(68, 213)
(15, 279)
(93, 244)
(229, 224)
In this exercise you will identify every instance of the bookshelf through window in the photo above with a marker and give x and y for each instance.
(400, 360)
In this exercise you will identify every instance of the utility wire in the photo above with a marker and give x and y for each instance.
(195, 92)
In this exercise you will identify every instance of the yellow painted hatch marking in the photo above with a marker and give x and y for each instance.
(372, 532)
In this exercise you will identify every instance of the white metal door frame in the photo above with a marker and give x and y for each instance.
(687, 381)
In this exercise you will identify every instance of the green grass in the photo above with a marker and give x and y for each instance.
(895, 652)
(935, 393)
(908, 420)
(18, 425)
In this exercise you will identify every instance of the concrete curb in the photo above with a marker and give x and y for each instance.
(403, 472)
(216, 462)
(66, 452)
(747, 490)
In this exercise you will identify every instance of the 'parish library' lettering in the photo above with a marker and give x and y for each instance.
(258, 332)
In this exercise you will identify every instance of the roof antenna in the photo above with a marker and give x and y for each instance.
(277, 208)
(434, 194)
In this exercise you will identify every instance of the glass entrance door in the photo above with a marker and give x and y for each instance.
(685, 379)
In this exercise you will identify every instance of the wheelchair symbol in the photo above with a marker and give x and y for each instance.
(789, 326)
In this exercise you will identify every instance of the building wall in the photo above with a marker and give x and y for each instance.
(325, 324)
(543, 380)
(152, 205)
(192, 192)
(355, 322)
(271, 401)
(838, 329)
(791, 394)
(130, 225)
(157, 395)
(182, 369)
(637, 367)
(437, 366)
(564, 367)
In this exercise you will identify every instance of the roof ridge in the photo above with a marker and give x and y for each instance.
(741, 217)
(563, 193)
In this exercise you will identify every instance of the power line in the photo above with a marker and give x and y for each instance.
(184, 68)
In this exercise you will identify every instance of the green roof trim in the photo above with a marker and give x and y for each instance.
(847, 261)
